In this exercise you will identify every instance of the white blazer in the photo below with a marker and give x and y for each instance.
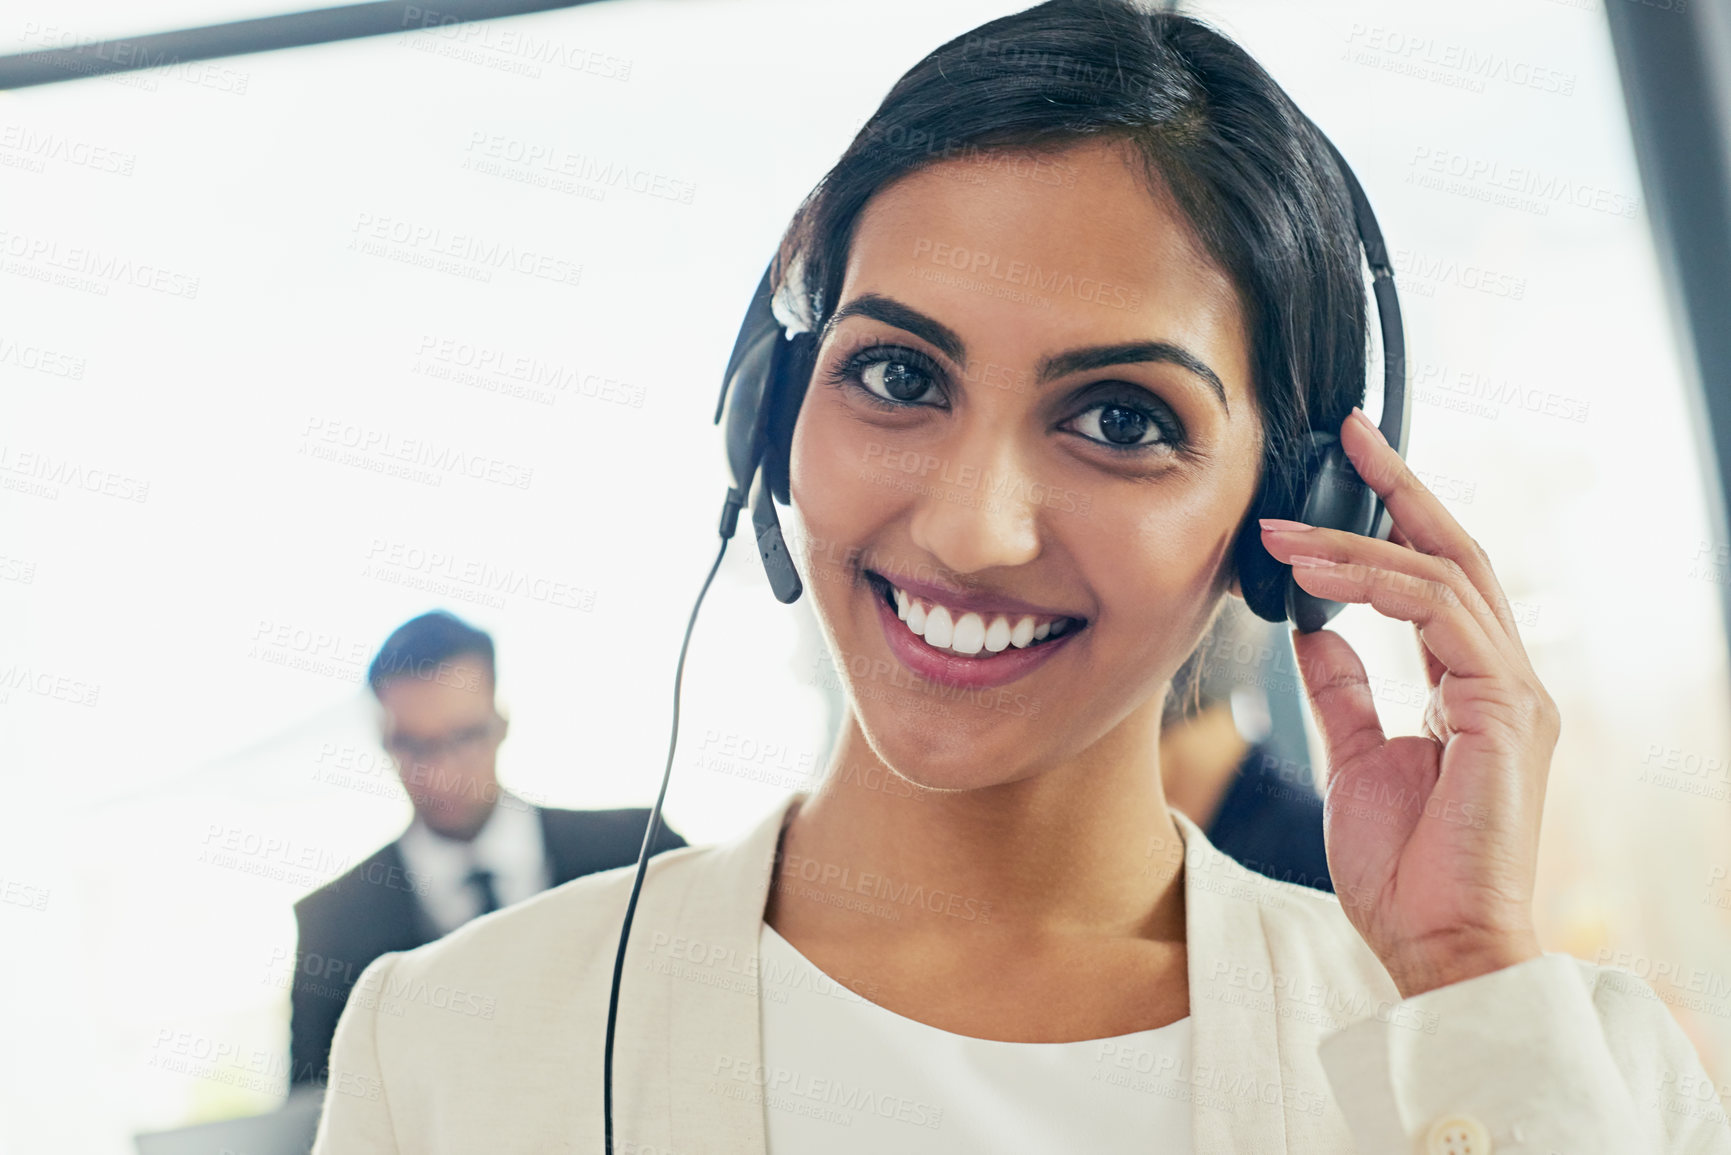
(490, 1039)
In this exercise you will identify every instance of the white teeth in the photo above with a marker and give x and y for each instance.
(940, 631)
(970, 634)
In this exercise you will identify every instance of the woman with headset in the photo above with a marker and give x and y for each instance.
(1066, 320)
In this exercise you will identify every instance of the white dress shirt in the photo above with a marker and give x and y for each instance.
(509, 845)
(844, 1076)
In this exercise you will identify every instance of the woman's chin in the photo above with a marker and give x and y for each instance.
(940, 753)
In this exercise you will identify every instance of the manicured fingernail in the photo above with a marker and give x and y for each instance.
(1276, 523)
(1305, 561)
(1369, 424)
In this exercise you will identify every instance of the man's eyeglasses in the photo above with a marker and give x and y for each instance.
(469, 740)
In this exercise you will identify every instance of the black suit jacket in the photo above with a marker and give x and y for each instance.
(373, 909)
(1270, 820)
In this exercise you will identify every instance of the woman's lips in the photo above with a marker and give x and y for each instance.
(981, 672)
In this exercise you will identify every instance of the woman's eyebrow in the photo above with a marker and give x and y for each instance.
(892, 312)
(1132, 353)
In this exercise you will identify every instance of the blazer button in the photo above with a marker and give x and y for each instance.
(1457, 1135)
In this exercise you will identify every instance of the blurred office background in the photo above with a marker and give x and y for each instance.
(236, 293)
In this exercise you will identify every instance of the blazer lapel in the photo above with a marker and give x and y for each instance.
(715, 1031)
(1237, 1093)
(400, 919)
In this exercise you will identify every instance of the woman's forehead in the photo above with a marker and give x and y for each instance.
(1030, 265)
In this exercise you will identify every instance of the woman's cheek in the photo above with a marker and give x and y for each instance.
(825, 492)
(825, 472)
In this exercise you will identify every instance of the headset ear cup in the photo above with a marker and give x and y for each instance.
(790, 374)
(1334, 498)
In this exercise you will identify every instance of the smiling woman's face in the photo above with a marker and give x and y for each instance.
(1032, 403)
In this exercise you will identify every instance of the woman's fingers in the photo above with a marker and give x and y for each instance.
(1420, 518)
(1449, 629)
(1340, 697)
(1403, 569)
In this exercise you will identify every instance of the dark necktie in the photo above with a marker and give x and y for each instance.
(482, 880)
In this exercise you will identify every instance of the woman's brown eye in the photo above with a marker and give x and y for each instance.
(895, 380)
(1120, 426)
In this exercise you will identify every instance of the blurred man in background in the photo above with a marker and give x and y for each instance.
(471, 848)
(1257, 807)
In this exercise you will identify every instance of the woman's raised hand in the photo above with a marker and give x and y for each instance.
(1433, 838)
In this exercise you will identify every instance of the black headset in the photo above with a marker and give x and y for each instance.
(767, 376)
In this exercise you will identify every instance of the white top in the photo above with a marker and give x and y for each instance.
(844, 1076)
(509, 844)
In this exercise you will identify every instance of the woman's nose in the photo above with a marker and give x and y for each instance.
(978, 510)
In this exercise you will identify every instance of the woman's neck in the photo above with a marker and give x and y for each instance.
(1086, 847)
